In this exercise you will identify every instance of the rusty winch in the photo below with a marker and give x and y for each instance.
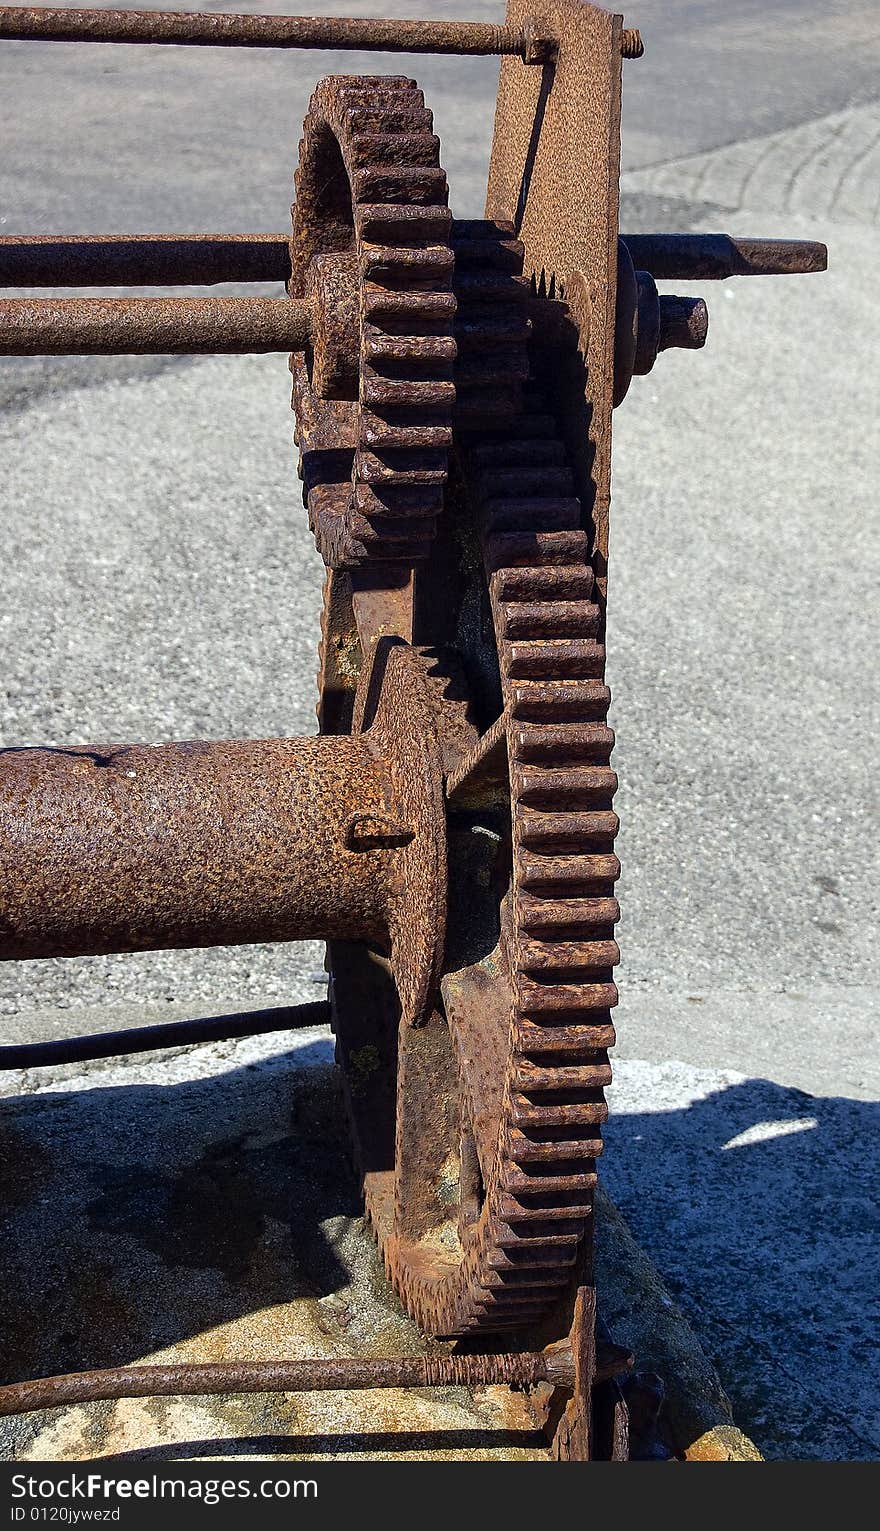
(450, 831)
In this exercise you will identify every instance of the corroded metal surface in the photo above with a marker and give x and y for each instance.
(712, 257)
(371, 207)
(498, 1246)
(523, 1369)
(556, 131)
(127, 848)
(149, 326)
(141, 260)
(200, 29)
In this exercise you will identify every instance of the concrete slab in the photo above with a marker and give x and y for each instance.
(197, 1204)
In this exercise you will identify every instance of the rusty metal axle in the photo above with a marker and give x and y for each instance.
(511, 1369)
(144, 1039)
(152, 326)
(156, 260)
(201, 326)
(142, 260)
(200, 29)
(713, 257)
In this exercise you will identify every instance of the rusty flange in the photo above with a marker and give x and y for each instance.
(647, 323)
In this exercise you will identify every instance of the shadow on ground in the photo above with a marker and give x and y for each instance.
(142, 1215)
(136, 1216)
(758, 1205)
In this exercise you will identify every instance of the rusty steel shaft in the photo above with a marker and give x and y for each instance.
(146, 1039)
(517, 1369)
(200, 29)
(142, 260)
(152, 326)
(714, 257)
(156, 260)
(132, 848)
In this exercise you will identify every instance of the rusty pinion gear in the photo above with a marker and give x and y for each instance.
(374, 394)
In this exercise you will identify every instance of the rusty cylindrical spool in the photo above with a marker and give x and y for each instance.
(132, 848)
(127, 848)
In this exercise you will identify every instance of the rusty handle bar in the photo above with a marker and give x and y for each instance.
(145, 1039)
(202, 29)
(152, 326)
(712, 257)
(142, 260)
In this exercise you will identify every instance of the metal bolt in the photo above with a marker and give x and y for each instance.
(631, 45)
(684, 323)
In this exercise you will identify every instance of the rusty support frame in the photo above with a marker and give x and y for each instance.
(200, 29)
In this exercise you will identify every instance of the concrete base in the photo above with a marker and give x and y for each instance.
(197, 1204)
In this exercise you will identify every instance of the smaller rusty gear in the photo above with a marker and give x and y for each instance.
(374, 393)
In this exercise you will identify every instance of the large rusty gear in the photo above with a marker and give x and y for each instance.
(477, 1142)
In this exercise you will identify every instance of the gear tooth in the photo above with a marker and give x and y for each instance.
(389, 265)
(575, 742)
(556, 701)
(557, 659)
(394, 149)
(411, 185)
(491, 325)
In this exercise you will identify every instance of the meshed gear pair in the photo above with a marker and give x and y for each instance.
(477, 1131)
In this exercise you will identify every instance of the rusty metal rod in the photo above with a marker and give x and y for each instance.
(142, 260)
(523, 1369)
(145, 1039)
(201, 29)
(511, 1369)
(712, 257)
(154, 260)
(152, 326)
(140, 847)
